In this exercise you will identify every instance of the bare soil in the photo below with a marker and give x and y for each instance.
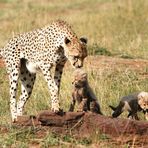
(108, 62)
(103, 63)
(99, 62)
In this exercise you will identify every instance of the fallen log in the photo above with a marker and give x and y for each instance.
(87, 124)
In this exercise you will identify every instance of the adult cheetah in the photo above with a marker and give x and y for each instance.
(42, 48)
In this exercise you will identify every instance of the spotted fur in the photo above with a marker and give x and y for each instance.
(41, 49)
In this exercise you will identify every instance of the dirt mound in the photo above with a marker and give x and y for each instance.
(81, 125)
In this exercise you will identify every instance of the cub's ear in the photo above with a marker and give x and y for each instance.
(84, 40)
(84, 75)
(67, 41)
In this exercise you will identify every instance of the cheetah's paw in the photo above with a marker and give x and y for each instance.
(55, 107)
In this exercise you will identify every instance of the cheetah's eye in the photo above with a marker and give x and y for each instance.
(67, 41)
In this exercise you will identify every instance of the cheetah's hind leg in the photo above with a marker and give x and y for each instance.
(27, 82)
(13, 71)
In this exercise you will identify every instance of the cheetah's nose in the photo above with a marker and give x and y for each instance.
(79, 66)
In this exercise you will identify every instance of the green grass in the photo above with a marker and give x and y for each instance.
(113, 28)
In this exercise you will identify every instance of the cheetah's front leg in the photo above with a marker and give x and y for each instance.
(146, 115)
(52, 88)
(58, 74)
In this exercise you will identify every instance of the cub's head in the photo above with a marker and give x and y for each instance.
(143, 102)
(76, 51)
(80, 78)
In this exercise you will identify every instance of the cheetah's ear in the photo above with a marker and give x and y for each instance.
(84, 40)
(67, 41)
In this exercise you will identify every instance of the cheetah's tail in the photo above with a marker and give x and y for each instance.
(1, 53)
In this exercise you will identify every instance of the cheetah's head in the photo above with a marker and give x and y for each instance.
(76, 51)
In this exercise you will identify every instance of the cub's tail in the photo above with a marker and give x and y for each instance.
(113, 108)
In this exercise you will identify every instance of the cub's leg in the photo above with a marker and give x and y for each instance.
(133, 115)
(95, 107)
(83, 105)
(73, 102)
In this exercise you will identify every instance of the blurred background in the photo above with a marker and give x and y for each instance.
(113, 27)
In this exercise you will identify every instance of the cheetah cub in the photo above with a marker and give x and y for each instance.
(132, 103)
(83, 94)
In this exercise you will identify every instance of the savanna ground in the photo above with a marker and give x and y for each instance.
(117, 33)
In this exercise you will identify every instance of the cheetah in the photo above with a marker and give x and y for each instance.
(133, 103)
(83, 94)
(44, 48)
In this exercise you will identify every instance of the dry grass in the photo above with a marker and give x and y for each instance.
(119, 26)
